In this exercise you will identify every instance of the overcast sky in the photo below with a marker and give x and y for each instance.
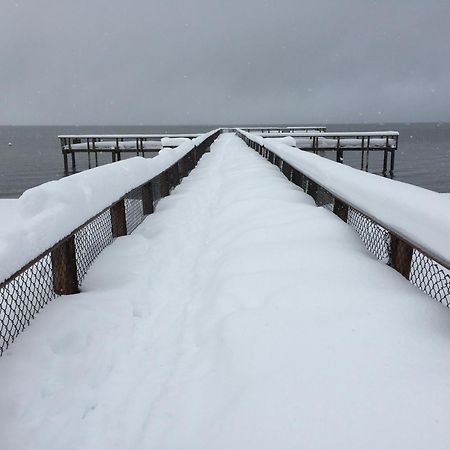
(223, 61)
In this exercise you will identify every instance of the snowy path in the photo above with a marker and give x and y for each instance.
(238, 316)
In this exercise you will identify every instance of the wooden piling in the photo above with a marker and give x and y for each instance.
(392, 160)
(66, 165)
(339, 152)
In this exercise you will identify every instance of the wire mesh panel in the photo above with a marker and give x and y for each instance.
(23, 297)
(376, 238)
(430, 277)
(324, 198)
(421, 270)
(91, 240)
(134, 211)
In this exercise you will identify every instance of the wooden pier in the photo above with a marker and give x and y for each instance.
(283, 129)
(115, 144)
(340, 142)
(315, 139)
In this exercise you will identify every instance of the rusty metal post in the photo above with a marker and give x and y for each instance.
(147, 198)
(401, 256)
(64, 268)
(340, 209)
(118, 219)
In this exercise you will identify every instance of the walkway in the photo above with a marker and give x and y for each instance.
(238, 316)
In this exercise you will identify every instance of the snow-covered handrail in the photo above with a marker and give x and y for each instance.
(288, 130)
(67, 223)
(412, 222)
(129, 136)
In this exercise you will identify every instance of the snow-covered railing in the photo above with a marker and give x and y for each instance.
(347, 141)
(116, 144)
(67, 223)
(294, 129)
(403, 225)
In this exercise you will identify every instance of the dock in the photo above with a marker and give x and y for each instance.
(233, 292)
(115, 144)
(364, 142)
(314, 139)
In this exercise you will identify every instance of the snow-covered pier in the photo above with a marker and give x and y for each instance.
(232, 292)
(315, 139)
(116, 144)
(365, 142)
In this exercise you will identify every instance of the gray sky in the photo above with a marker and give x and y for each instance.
(223, 61)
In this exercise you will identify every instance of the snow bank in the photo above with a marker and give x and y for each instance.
(238, 316)
(9, 215)
(51, 211)
(420, 215)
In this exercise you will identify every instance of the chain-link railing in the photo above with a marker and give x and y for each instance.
(420, 269)
(61, 269)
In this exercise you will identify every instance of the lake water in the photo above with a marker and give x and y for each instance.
(423, 157)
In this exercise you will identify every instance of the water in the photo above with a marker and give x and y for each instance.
(35, 156)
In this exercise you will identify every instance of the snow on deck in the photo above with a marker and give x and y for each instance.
(238, 316)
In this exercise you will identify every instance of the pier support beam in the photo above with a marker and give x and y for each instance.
(385, 158)
(74, 166)
(66, 164)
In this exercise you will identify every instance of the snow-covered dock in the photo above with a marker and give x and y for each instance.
(364, 142)
(313, 139)
(238, 315)
(116, 144)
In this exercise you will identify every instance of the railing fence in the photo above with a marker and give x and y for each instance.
(418, 265)
(61, 269)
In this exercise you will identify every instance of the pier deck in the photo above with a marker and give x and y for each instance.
(237, 315)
